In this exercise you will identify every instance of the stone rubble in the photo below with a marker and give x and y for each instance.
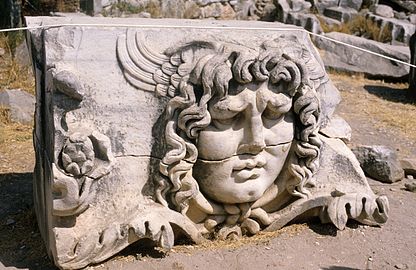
(409, 166)
(21, 105)
(344, 58)
(379, 162)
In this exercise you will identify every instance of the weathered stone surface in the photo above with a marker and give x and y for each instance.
(369, 3)
(329, 21)
(299, 5)
(308, 21)
(409, 166)
(379, 162)
(355, 4)
(342, 14)
(321, 5)
(282, 10)
(400, 30)
(21, 105)
(412, 18)
(192, 129)
(337, 127)
(411, 186)
(344, 58)
(400, 15)
(408, 5)
(383, 11)
(412, 72)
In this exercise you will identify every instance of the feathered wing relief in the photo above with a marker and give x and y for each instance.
(203, 78)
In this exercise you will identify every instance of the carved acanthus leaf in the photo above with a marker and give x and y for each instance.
(361, 207)
(153, 222)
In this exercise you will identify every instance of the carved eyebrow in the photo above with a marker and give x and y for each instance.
(228, 107)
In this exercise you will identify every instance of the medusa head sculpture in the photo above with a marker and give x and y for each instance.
(241, 127)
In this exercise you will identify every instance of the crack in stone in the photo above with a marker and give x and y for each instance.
(246, 154)
(138, 156)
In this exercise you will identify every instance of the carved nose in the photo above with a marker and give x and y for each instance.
(254, 137)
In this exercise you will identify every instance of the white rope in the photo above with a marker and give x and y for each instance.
(207, 27)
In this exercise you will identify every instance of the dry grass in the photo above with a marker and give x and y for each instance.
(388, 106)
(16, 148)
(360, 26)
(262, 238)
(12, 75)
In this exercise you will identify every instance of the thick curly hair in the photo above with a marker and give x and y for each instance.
(212, 73)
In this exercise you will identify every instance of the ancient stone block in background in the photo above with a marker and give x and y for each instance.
(172, 129)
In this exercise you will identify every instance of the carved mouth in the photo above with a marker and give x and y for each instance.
(249, 164)
(246, 174)
(248, 169)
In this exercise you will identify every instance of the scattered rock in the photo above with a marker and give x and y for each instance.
(383, 11)
(300, 5)
(342, 14)
(400, 266)
(409, 166)
(321, 5)
(282, 10)
(329, 21)
(2, 52)
(337, 127)
(400, 15)
(410, 186)
(410, 177)
(344, 58)
(21, 105)
(412, 72)
(308, 21)
(380, 163)
(412, 18)
(355, 4)
(406, 5)
(400, 30)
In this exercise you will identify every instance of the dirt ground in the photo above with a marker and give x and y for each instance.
(378, 113)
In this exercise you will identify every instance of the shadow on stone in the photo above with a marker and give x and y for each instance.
(21, 245)
(390, 94)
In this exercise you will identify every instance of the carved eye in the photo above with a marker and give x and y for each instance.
(225, 122)
(270, 114)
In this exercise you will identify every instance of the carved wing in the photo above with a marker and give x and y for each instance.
(161, 73)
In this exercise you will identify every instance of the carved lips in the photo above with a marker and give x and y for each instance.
(249, 169)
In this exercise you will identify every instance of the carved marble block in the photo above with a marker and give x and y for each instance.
(169, 129)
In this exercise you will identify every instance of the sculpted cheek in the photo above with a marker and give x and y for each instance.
(214, 145)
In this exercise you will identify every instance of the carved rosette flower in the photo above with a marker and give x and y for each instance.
(78, 155)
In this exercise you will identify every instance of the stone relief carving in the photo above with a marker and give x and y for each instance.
(84, 159)
(242, 134)
(213, 135)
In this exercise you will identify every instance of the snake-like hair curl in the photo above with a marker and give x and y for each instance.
(211, 75)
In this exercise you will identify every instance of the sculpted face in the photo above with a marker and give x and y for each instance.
(243, 150)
